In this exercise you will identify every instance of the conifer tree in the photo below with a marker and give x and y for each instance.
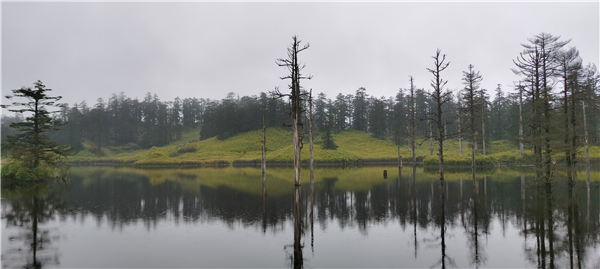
(31, 147)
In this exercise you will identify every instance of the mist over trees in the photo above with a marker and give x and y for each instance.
(555, 85)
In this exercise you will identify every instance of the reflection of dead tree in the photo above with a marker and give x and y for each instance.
(296, 259)
(474, 233)
(264, 202)
(295, 96)
(413, 188)
(442, 238)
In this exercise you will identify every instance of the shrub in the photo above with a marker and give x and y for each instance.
(156, 153)
(460, 160)
(20, 172)
(510, 156)
(187, 148)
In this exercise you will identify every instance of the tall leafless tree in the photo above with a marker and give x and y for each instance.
(310, 137)
(439, 97)
(458, 121)
(296, 97)
(471, 94)
(411, 119)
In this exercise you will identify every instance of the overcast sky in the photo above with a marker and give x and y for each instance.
(86, 50)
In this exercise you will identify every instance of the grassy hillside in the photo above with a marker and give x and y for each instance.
(354, 147)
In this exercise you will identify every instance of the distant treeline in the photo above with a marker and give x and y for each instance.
(558, 99)
(151, 122)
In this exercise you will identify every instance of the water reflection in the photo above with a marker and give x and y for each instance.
(413, 215)
(30, 242)
(298, 261)
(556, 222)
(476, 227)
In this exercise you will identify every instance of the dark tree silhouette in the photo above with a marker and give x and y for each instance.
(538, 64)
(473, 105)
(439, 98)
(31, 146)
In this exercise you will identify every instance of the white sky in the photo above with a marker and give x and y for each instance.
(86, 50)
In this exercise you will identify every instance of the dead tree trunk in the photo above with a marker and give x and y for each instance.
(585, 131)
(521, 150)
(310, 138)
(430, 139)
(264, 148)
(483, 122)
(471, 92)
(399, 159)
(412, 120)
(439, 97)
(296, 97)
(460, 150)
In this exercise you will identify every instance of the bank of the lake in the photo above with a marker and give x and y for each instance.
(354, 148)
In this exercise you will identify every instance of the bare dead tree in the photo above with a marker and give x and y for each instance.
(263, 162)
(440, 98)
(310, 138)
(458, 119)
(411, 119)
(296, 97)
(471, 93)
(521, 150)
(483, 106)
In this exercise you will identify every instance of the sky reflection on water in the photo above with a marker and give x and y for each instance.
(109, 217)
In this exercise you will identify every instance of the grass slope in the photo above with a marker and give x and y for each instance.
(354, 147)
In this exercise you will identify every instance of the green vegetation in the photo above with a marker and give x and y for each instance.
(33, 155)
(354, 147)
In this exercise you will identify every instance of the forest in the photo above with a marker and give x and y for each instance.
(555, 104)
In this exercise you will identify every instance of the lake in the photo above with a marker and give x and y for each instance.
(352, 217)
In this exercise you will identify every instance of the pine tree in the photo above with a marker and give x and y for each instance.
(31, 147)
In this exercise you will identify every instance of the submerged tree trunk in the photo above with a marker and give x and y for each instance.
(310, 138)
(460, 150)
(567, 132)
(473, 149)
(521, 150)
(297, 149)
(430, 139)
(399, 159)
(587, 145)
(264, 148)
(483, 122)
(412, 120)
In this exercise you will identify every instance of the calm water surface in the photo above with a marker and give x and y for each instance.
(353, 217)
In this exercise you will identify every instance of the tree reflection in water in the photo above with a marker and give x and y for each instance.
(558, 225)
(296, 258)
(413, 215)
(29, 208)
(444, 260)
(478, 223)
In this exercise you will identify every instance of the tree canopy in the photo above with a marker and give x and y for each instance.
(30, 146)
